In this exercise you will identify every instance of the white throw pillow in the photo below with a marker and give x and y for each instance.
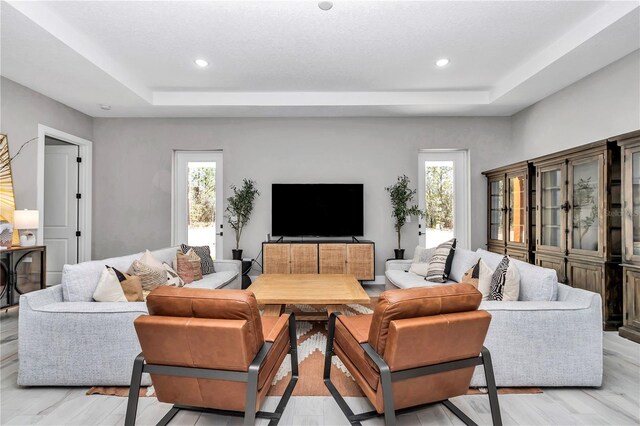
(422, 255)
(503, 283)
(109, 288)
(172, 276)
(150, 260)
(419, 269)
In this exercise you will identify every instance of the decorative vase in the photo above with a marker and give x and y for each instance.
(6, 233)
(236, 254)
(399, 253)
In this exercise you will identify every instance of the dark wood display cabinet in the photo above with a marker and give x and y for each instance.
(22, 270)
(564, 211)
(509, 214)
(630, 144)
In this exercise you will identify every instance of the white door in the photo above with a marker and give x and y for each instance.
(60, 209)
(443, 192)
(197, 195)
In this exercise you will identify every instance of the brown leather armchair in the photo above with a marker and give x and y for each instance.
(420, 346)
(209, 350)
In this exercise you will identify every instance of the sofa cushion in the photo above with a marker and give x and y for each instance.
(80, 281)
(536, 284)
(215, 280)
(463, 259)
(405, 279)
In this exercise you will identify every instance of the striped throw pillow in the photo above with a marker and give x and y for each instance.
(204, 253)
(440, 263)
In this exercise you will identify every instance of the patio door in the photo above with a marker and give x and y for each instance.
(443, 193)
(198, 200)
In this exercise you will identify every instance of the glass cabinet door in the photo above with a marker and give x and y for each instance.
(496, 212)
(28, 268)
(550, 222)
(634, 202)
(584, 189)
(517, 208)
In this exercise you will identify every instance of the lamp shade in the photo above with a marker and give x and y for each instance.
(26, 219)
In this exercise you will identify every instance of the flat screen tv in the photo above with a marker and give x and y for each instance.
(317, 210)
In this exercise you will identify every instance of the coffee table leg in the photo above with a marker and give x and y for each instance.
(273, 310)
(335, 308)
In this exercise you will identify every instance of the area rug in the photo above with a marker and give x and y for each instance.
(312, 342)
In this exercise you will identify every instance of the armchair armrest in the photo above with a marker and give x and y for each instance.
(277, 328)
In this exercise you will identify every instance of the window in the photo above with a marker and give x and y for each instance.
(443, 195)
(198, 199)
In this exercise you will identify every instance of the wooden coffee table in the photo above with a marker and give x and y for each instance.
(332, 291)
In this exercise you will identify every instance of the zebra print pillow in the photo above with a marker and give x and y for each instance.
(204, 253)
(505, 281)
(440, 263)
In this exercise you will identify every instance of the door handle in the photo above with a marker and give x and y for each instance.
(219, 233)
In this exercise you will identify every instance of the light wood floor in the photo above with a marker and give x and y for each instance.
(617, 402)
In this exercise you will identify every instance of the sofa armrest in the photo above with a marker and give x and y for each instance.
(228, 265)
(37, 299)
(399, 265)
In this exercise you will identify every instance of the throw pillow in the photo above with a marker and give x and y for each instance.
(484, 279)
(150, 259)
(440, 263)
(204, 253)
(149, 276)
(188, 266)
(472, 275)
(419, 269)
(172, 276)
(109, 288)
(131, 285)
(505, 281)
(422, 255)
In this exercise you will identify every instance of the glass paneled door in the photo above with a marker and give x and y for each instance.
(517, 209)
(496, 209)
(443, 183)
(198, 201)
(632, 204)
(551, 198)
(585, 216)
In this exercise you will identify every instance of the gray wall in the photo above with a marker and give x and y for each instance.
(21, 110)
(603, 104)
(132, 169)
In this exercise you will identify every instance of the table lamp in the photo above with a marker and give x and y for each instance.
(26, 222)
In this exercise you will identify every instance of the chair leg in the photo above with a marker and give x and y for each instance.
(167, 417)
(134, 391)
(293, 353)
(491, 387)
(251, 398)
(387, 395)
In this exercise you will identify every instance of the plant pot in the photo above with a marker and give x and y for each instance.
(236, 254)
(399, 253)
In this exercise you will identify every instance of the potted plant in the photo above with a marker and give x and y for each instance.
(239, 208)
(401, 197)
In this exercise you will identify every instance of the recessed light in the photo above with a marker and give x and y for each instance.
(105, 107)
(201, 63)
(442, 62)
(325, 5)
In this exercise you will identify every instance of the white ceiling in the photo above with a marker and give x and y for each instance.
(271, 58)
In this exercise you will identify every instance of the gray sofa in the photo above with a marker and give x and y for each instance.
(552, 336)
(67, 339)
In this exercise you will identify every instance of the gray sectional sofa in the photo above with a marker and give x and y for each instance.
(552, 336)
(67, 339)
